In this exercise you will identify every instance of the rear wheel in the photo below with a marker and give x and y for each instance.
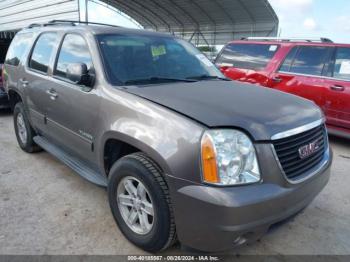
(24, 131)
(140, 203)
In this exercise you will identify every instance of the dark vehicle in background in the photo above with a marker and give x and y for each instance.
(315, 70)
(4, 101)
(185, 153)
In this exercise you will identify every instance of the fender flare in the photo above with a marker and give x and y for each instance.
(149, 151)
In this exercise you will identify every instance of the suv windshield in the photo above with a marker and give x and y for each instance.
(247, 56)
(133, 60)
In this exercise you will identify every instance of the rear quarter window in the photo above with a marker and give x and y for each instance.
(18, 48)
(247, 56)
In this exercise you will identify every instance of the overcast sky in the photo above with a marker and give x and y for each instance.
(298, 18)
(314, 18)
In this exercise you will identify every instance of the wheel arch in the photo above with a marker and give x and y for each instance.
(14, 97)
(125, 145)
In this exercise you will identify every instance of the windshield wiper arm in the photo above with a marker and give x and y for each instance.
(208, 77)
(158, 79)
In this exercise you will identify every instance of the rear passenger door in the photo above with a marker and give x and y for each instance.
(338, 90)
(303, 73)
(73, 109)
(36, 78)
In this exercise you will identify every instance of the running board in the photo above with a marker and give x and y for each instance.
(77, 165)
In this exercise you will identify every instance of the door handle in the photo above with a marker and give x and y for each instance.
(52, 93)
(24, 82)
(338, 88)
(277, 79)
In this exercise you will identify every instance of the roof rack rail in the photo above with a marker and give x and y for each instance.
(317, 40)
(34, 25)
(69, 22)
(80, 22)
(51, 23)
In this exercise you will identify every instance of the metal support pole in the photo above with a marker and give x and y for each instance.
(86, 10)
(79, 11)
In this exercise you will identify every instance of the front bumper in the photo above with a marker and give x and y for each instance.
(216, 219)
(4, 101)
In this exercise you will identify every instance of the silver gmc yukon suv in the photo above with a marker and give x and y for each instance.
(185, 153)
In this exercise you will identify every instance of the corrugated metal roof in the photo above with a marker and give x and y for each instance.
(16, 14)
(203, 21)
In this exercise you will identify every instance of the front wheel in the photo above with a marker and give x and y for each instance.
(140, 203)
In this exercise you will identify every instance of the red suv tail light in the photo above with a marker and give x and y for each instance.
(2, 77)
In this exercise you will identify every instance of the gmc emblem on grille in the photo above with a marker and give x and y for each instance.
(309, 149)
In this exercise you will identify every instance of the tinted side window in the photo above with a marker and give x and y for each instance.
(310, 60)
(42, 52)
(289, 60)
(74, 50)
(342, 64)
(18, 47)
(248, 56)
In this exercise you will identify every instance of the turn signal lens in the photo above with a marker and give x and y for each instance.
(209, 165)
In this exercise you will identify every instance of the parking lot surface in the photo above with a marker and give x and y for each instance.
(45, 208)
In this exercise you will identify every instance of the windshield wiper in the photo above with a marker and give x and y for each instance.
(208, 77)
(157, 80)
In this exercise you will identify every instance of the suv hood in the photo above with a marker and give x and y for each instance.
(261, 111)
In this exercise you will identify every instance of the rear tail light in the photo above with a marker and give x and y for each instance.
(2, 77)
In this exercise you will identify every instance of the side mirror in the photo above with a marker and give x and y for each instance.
(78, 73)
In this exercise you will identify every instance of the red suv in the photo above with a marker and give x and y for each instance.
(316, 70)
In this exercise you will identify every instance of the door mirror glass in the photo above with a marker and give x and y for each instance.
(78, 73)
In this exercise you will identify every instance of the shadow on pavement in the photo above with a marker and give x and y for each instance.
(339, 141)
(5, 112)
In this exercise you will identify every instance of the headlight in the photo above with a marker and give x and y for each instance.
(228, 158)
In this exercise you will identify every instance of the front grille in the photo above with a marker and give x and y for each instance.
(287, 150)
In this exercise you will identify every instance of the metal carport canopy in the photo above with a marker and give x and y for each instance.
(16, 14)
(204, 22)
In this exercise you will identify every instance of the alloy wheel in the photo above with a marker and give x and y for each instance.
(135, 205)
(21, 127)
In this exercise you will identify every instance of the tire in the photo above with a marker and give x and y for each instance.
(24, 132)
(137, 168)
